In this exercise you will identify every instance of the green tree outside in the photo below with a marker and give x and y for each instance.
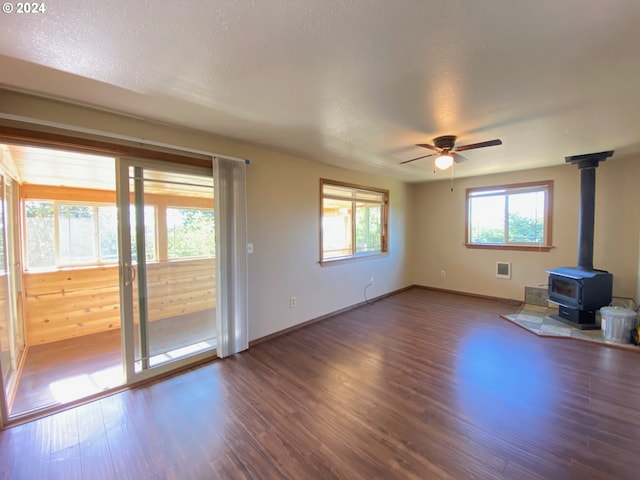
(521, 230)
(190, 233)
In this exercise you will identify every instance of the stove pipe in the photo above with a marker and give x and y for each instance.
(587, 165)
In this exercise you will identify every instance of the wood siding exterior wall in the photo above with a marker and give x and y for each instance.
(71, 303)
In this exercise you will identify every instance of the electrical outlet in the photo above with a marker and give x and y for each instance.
(249, 247)
(292, 302)
(443, 274)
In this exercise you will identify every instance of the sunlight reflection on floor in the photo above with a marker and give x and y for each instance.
(74, 388)
(178, 353)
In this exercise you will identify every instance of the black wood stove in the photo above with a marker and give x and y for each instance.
(580, 291)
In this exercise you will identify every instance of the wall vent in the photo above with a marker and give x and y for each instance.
(503, 270)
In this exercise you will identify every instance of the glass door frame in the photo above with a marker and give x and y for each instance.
(11, 232)
(128, 274)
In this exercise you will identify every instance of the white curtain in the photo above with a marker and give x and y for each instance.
(231, 256)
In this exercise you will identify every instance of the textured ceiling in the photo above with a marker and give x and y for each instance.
(352, 83)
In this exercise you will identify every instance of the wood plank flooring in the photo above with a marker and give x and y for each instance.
(419, 385)
(71, 369)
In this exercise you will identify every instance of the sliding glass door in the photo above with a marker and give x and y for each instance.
(119, 278)
(12, 335)
(167, 267)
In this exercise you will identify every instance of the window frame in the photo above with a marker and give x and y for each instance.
(544, 185)
(59, 264)
(384, 220)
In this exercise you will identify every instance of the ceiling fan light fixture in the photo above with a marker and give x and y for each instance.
(444, 161)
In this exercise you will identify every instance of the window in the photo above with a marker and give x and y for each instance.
(40, 234)
(62, 234)
(353, 221)
(514, 217)
(149, 232)
(77, 235)
(190, 232)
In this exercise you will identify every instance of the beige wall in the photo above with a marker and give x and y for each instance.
(438, 222)
(637, 298)
(618, 223)
(284, 208)
(283, 218)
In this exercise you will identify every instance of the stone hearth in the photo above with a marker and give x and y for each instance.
(535, 316)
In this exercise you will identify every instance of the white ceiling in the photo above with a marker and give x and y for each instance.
(348, 82)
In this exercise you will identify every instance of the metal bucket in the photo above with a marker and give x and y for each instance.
(616, 324)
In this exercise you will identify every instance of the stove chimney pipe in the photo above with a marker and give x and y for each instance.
(587, 165)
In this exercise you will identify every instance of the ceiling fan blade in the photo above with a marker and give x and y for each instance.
(489, 143)
(414, 159)
(426, 145)
(458, 158)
